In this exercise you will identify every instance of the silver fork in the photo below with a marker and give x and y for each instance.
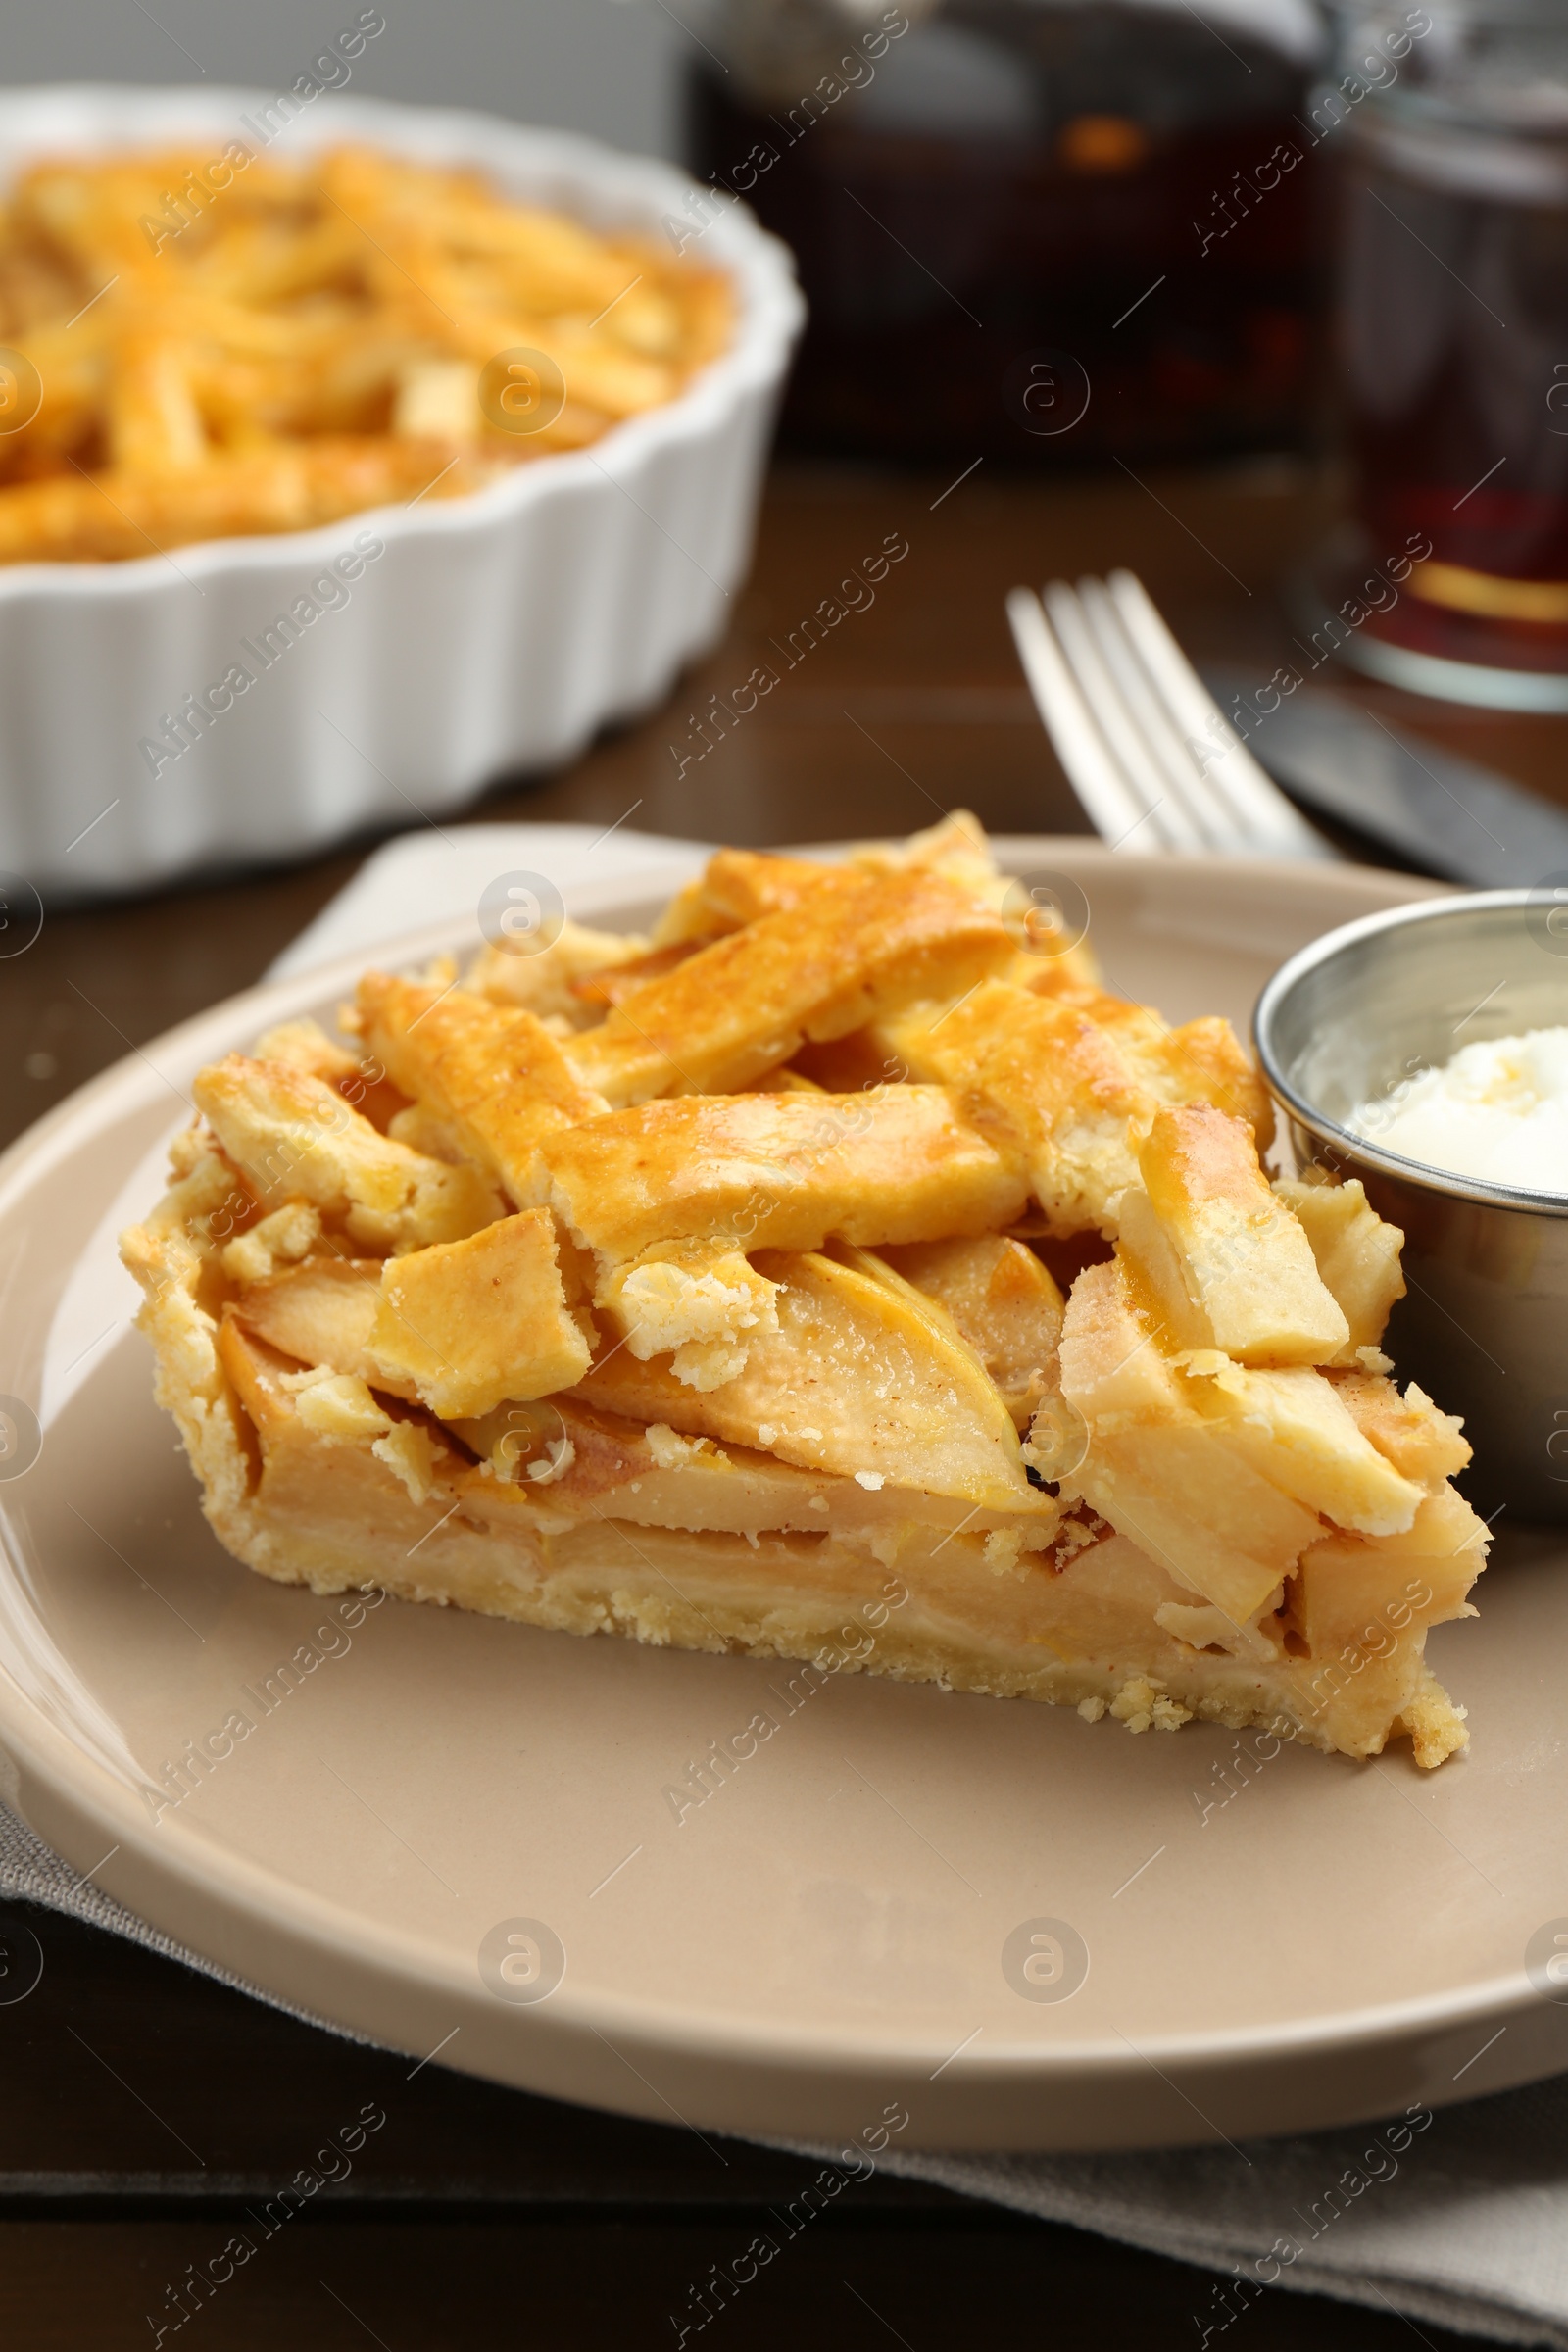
(1147, 748)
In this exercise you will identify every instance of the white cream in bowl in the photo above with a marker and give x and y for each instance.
(1498, 1110)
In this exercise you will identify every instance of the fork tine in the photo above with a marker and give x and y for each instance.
(1182, 778)
(1108, 799)
(1267, 820)
(1128, 711)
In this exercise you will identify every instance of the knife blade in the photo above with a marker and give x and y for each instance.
(1448, 816)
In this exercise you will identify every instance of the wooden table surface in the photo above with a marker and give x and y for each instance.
(142, 2108)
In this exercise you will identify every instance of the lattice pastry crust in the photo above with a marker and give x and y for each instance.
(832, 1276)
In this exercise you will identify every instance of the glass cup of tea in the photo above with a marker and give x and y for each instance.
(1448, 123)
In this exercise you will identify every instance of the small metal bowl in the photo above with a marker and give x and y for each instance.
(1354, 1019)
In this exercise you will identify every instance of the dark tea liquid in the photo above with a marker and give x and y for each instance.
(1454, 348)
(1134, 271)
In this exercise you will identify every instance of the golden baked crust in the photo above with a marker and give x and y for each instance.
(248, 343)
(614, 1319)
(852, 947)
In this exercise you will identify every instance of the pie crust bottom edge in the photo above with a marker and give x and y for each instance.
(919, 1605)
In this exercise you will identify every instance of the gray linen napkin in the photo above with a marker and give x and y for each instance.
(1458, 2218)
(1462, 2220)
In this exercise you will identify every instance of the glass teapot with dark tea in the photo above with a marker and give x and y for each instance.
(1052, 230)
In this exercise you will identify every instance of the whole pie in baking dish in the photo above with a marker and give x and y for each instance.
(838, 1274)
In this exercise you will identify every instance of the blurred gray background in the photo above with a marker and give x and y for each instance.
(606, 67)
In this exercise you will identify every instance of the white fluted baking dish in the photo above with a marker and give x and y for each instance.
(490, 634)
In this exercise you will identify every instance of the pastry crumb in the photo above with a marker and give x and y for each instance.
(1003, 1551)
(413, 1456)
(1142, 1706)
(671, 1451)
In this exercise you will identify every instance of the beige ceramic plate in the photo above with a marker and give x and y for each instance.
(1274, 1940)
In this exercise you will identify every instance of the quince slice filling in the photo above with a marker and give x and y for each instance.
(856, 1377)
(832, 1275)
